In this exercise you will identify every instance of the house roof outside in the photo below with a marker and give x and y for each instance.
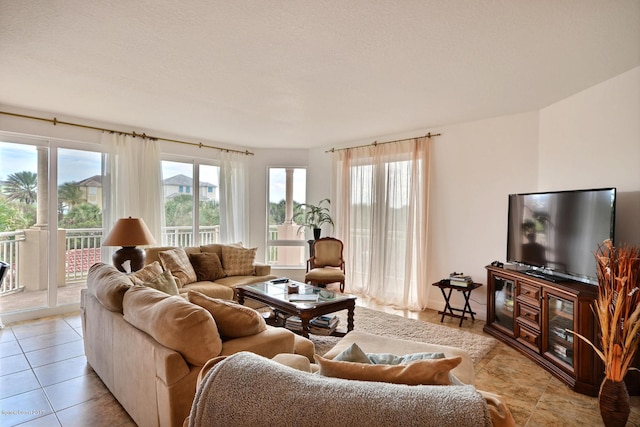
(181, 179)
(93, 181)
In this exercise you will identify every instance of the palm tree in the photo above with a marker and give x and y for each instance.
(69, 195)
(22, 186)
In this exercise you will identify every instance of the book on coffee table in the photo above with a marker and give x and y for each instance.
(303, 297)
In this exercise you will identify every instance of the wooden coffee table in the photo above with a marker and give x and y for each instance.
(308, 302)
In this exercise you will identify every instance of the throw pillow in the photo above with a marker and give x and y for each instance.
(353, 353)
(233, 320)
(164, 282)
(173, 322)
(177, 261)
(238, 261)
(148, 272)
(108, 285)
(207, 266)
(392, 359)
(419, 372)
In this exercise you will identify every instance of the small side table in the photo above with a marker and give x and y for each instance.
(466, 292)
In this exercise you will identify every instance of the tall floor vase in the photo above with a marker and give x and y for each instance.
(614, 403)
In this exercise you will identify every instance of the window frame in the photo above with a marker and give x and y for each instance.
(273, 244)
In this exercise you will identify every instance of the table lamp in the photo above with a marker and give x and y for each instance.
(129, 233)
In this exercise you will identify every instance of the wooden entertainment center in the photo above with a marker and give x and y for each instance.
(532, 314)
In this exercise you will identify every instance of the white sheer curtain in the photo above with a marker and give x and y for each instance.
(234, 197)
(382, 199)
(132, 184)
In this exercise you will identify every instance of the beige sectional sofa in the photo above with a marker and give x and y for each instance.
(148, 347)
(223, 287)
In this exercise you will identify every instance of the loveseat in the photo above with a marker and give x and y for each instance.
(148, 347)
(245, 390)
(218, 268)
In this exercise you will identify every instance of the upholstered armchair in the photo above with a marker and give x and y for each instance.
(326, 265)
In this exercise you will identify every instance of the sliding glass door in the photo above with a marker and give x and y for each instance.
(50, 224)
(24, 231)
(79, 215)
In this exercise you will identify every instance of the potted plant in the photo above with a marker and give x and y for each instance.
(314, 216)
(617, 309)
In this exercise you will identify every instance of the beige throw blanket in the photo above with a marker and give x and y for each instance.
(249, 390)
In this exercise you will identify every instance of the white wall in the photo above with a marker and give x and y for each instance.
(591, 140)
(474, 168)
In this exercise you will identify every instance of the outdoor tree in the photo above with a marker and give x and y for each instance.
(22, 187)
(210, 212)
(11, 217)
(179, 211)
(277, 212)
(69, 195)
(84, 215)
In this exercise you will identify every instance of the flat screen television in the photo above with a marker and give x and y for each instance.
(556, 234)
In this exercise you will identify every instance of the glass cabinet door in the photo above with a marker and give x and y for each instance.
(504, 294)
(560, 318)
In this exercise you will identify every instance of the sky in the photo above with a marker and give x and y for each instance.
(76, 165)
(73, 165)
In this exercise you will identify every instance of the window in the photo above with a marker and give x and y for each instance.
(182, 215)
(209, 205)
(286, 245)
(178, 206)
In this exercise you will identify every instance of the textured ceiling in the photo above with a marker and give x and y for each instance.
(286, 73)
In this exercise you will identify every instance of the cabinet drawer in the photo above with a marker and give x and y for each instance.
(529, 315)
(529, 293)
(529, 338)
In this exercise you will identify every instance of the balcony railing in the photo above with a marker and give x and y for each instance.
(9, 254)
(82, 250)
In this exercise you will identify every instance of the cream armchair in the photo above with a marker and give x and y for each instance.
(327, 264)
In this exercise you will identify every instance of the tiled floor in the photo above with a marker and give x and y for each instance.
(45, 380)
(27, 300)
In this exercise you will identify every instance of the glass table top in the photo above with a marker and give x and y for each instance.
(305, 294)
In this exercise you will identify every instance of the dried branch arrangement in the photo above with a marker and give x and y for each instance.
(617, 307)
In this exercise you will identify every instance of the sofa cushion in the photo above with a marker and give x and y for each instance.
(207, 266)
(163, 282)
(419, 372)
(108, 285)
(210, 289)
(173, 322)
(177, 261)
(238, 261)
(213, 248)
(147, 273)
(233, 320)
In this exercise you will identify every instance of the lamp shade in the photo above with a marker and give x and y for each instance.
(129, 232)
